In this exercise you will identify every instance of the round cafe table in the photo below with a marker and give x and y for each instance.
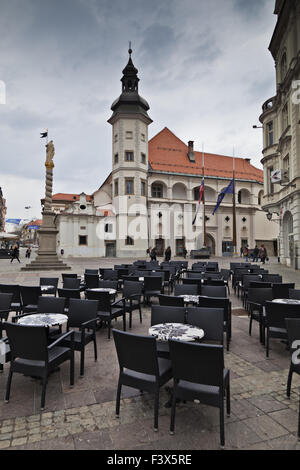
(104, 289)
(287, 301)
(45, 289)
(179, 331)
(190, 299)
(43, 319)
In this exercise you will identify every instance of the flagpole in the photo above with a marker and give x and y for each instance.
(234, 208)
(204, 216)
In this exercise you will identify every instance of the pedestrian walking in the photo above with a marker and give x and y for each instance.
(168, 254)
(246, 253)
(184, 252)
(153, 254)
(28, 252)
(15, 253)
(255, 254)
(263, 254)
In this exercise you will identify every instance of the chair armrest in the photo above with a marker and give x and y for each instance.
(118, 301)
(134, 296)
(86, 323)
(255, 304)
(61, 338)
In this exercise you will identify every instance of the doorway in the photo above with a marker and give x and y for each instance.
(110, 250)
(160, 246)
(179, 246)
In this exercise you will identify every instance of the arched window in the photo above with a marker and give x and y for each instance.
(260, 196)
(243, 196)
(157, 190)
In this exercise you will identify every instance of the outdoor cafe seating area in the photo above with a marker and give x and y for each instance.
(189, 333)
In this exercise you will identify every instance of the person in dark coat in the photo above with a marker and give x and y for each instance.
(15, 253)
(263, 254)
(153, 254)
(184, 252)
(255, 254)
(168, 254)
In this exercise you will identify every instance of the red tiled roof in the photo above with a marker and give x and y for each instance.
(68, 197)
(35, 222)
(168, 153)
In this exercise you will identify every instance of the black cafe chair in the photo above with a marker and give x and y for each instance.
(82, 317)
(32, 356)
(30, 296)
(52, 282)
(140, 367)
(199, 374)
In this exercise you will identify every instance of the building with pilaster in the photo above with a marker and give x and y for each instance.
(281, 132)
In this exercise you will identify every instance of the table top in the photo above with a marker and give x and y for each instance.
(43, 319)
(190, 298)
(104, 289)
(180, 331)
(287, 301)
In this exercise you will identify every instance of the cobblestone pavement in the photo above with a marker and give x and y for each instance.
(83, 417)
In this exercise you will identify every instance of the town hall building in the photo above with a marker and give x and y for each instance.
(150, 197)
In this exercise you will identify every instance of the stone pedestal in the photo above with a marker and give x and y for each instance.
(47, 258)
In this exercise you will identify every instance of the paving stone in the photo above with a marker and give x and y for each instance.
(19, 442)
(265, 427)
(287, 418)
(267, 403)
(4, 444)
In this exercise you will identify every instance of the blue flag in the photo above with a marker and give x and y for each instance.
(228, 190)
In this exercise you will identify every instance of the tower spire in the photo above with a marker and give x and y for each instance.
(130, 79)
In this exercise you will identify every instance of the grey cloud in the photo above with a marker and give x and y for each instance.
(62, 61)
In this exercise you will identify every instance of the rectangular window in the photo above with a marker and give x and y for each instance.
(270, 184)
(129, 134)
(270, 133)
(108, 228)
(143, 188)
(116, 158)
(129, 186)
(143, 137)
(82, 239)
(143, 158)
(129, 156)
(116, 188)
(286, 167)
(285, 117)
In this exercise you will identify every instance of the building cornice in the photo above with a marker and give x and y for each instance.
(169, 173)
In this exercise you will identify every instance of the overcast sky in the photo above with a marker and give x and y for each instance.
(204, 68)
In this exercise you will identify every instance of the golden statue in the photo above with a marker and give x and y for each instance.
(50, 154)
